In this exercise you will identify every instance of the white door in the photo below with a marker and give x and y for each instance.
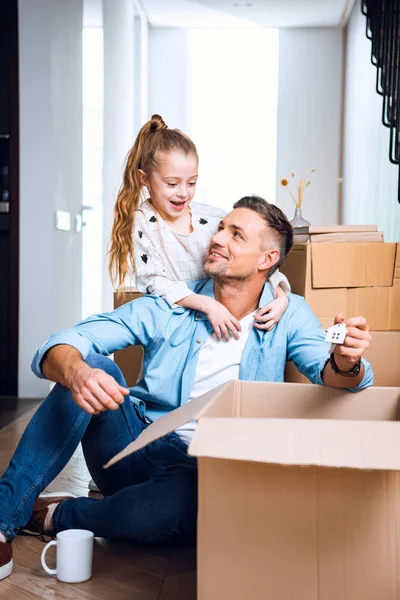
(66, 117)
(50, 75)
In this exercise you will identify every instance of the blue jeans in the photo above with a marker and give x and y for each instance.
(150, 495)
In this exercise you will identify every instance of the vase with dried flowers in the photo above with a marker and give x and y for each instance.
(299, 223)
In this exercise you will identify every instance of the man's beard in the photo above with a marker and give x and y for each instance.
(217, 272)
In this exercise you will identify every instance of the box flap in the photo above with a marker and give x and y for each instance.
(341, 228)
(354, 236)
(257, 399)
(172, 420)
(352, 265)
(371, 445)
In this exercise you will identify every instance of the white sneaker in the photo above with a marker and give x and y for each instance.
(6, 559)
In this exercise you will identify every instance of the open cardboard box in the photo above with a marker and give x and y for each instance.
(298, 491)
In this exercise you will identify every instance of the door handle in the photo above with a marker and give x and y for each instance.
(79, 221)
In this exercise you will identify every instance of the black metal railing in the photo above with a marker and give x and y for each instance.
(383, 26)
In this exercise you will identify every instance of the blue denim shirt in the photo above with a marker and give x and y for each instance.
(172, 338)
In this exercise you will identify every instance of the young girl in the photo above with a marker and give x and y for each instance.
(164, 240)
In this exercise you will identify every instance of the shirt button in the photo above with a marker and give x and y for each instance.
(198, 341)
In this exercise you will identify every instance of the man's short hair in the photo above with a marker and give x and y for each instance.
(276, 220)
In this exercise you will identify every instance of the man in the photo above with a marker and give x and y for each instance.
(152, 494)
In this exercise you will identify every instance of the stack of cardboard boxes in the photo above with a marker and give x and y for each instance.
(353, 279)
(348, 278)
(299, 484)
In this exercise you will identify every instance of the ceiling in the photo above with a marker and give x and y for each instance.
(247, 13)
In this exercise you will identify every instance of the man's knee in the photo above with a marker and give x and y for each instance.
(98, 361)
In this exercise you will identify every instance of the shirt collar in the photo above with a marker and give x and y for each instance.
(208, 290)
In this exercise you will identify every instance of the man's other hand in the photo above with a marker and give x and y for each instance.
(93, 389)
(355, 343)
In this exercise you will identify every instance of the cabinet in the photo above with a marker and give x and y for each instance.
(9, 197)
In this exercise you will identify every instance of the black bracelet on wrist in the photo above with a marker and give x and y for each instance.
(354, 372)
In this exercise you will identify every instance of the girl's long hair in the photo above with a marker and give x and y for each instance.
(153, 139)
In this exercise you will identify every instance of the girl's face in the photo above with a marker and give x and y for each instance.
(172, 184)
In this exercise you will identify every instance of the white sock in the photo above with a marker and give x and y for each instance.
(48, 522)
(3, 538)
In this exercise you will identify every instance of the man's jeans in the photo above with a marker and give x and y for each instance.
(149, 496)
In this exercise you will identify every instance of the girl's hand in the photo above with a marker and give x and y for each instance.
(270, 314)
(221, 320)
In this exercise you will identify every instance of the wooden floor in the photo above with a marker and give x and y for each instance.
(120, 571)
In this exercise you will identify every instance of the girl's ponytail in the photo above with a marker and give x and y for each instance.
(153, 138)
(121, 259)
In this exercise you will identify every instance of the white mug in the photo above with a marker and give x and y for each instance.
(74, 556)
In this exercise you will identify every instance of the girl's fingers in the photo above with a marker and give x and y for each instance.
(217, 332)
(262, 311)
(224, 332)
(268, 318)
(232, 328)
(236, 324)
(265, 326)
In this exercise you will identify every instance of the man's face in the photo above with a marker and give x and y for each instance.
(237, 249)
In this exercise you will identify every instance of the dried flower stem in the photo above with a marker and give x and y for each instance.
(300, 193)
(294, 199)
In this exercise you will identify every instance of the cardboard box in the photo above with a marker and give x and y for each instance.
(350, 278)
(322, 229)
(298, 491)
(129, 360)
(383, 354)
(357, 236)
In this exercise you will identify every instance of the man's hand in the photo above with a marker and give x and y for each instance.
(355, 343)
(92, 389)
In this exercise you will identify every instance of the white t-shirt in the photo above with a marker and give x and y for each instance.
(218, 363)
(166, 260)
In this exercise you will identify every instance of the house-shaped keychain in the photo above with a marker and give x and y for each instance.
(335, 335)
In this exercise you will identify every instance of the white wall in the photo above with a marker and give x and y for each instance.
(309, 119)
(233, 117)
(50, 34)
(119, 112)
(309, 107)
(169, 63)
(370, 179)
